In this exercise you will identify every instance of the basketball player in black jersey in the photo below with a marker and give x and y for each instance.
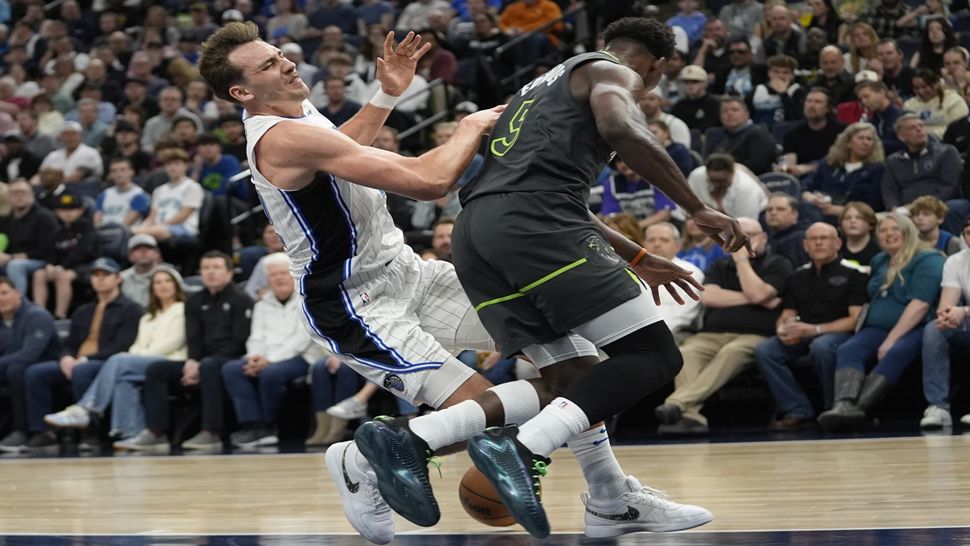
(541, 270)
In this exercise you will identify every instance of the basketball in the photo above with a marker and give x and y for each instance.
(481, 501)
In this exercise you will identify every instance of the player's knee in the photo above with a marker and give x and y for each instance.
(558, 377)
(655, 345)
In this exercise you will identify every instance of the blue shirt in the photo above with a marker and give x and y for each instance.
(700, 257)
(637, 198)
(215, 178)
(30, 338)
(692, 24)
(920, 281)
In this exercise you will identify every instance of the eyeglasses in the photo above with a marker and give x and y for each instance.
(819, 239)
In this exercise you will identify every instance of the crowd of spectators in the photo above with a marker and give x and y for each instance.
(837, 131)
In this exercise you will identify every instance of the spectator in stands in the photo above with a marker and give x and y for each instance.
(251, 258)
(175, 205)
(332, 380)
(785, 236)
(743, 74)
(278, 351)
(677, 151)
(783, 37)
(170, 104)
(742, 300)
(339, 66)
(925, 167)
(77, 160)
(234, 137)
(748, 143)
(938, 37)
(625, 191)
(857, 223)
(438, 62)
(852, 171)
(27, 336)
(825, 17)
(186, 134)
(949, 331)
(49, 188)
(29, 232)
(954, 69)
(903, 288)
(441, 238)
(287, 20)
(897, 75)
(862, 47)
(689, 18)
(414, 16)
(49, 120)
(136, 94)
(198, 100)
(161, 335)
(698, 109)
(92, 128)
(727, 187)
(73, 246)
(99, 330)
(740, 16)
(712, 53)
(819, 311)
(882, 16)
(36, 142)
(338, 108)
(936, 105)
(144, 257)
(809, 141)
(663, 239)
(781, 98)
(650, 104)
(426, 212)
(217, 324)
(124, 203)
(881, 113)
(624, 223)
(16, 161)
(213, 169)
(371, 12)
(918, 17)
(832, 75)
(125, 144)
(958, 135)
(927, 213)
(522, 16)
(698, 248)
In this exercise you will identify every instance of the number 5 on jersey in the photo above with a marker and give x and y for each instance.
(501, 146)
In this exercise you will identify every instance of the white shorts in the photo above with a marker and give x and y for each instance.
(627, 317)
(400, 329)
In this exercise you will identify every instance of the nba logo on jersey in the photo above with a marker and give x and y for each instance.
(563, 404)
(365, 297)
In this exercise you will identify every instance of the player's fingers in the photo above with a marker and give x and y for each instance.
(673, 293)
(405, 44)
(689, 290)
(656, 294)
(695, 284)
(389, 44)
(420, 53)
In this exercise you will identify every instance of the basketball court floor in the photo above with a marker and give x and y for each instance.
(852, 491)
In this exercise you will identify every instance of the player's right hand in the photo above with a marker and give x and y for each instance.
(723, 229)
(484, 120)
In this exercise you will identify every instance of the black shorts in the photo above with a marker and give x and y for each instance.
(535, 266)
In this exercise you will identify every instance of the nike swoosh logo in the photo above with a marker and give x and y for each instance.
(598, 442)
(351, 486)
(630, 515)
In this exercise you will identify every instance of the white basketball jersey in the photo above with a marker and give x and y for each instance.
(337, 234)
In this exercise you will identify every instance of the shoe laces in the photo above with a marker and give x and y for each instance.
(653, 496)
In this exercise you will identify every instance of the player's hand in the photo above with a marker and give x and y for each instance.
(395, 69)
(484, 120)
(723, 229)
(660, 272)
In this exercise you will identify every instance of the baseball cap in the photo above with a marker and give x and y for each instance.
(232, 15)
(69, 201)
(71, 126)
(466, 106)
(866, 76)
(693, 73)
(142, 239)
(105, 264)
(291, 48)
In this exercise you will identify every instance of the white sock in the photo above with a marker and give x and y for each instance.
(450, 425)
(602, 471)
(557, 423)
(520, 401)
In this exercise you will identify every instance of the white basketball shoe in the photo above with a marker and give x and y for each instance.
(640, 509)
(356, 482)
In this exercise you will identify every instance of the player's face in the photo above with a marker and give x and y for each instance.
(268, 76)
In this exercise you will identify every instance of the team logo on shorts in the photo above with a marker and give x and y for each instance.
(365, 297)
(393, 382)
(599, 252)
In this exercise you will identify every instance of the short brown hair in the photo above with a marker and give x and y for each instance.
(173, 154)
(928, 203)
(783, 61)
(864, 210)
(214, 64)
(722, 163)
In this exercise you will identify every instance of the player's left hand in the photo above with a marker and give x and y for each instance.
(660, 272)
(395, 69)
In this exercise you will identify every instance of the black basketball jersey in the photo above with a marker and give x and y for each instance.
(544, 141)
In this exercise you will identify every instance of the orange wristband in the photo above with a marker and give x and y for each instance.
(636, 259)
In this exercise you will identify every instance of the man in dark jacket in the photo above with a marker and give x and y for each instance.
(30, 230)
(748, 143)
(217, 322)
(98, 330)
(27, 336)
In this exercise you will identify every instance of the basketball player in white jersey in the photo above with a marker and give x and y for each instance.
(367, 297)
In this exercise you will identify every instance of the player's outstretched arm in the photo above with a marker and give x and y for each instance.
(291, 152)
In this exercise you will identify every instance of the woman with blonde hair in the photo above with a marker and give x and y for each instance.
(863, 40)
(937, 105)
(903, 288)
(852, 171)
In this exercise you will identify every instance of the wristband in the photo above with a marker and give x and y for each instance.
(818, 329)
(636, 259)
(383, 100)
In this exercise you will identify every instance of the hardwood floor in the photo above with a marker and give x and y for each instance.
(834, 484)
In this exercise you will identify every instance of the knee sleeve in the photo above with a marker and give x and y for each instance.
(639, 364)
